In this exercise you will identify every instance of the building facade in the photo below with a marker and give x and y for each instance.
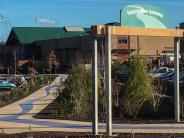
(71, 43)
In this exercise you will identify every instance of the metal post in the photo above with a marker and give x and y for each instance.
(108, 83)
(95, 89)
(176, 82)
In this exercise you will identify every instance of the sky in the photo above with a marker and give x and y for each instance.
(75, 12)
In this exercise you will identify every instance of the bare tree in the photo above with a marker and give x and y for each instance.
(52, 61)
(158, 93)
(116, 92)
(32, 72)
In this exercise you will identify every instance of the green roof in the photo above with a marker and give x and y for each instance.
(28, 35)
(113, 24)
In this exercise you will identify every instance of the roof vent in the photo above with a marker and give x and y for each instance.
(74, 29)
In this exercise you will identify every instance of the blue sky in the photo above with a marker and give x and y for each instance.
(76, 12)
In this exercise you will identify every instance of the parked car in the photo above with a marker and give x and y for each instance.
(181, 77)
(156, 73)
(166, 75)
(4, 84)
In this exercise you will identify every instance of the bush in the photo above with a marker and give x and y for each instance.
(77, 92)
(138, 88)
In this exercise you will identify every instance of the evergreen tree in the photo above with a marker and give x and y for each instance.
(138, 88)
(77, 92)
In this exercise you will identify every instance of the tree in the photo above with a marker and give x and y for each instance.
(117, 67)
(101, 97)
(52, 62)
(76, 94)
(158, 94)
(32, 74)
(138, 88)
(32, 71)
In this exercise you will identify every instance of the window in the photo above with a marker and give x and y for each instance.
(122, 40)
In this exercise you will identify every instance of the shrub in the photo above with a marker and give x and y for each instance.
(138, 88)
(26, 89)
(77, 92)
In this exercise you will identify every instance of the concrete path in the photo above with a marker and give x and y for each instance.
(17, 117)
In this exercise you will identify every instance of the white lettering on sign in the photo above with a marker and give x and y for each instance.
(143, 11)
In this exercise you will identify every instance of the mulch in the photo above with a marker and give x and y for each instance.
(86, 135)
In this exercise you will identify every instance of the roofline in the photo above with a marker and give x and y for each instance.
(12, 31)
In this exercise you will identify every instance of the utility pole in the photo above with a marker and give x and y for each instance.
(108, 82)
(95, 88)
(177, 81)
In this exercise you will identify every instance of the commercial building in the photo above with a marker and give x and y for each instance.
(69, 43)
(35, 43)
(153, 47)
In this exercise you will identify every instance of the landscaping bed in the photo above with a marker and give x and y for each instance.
(87, 135)
(50, 112)
(18, 93)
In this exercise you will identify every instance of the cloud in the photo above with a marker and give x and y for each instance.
(46, 22)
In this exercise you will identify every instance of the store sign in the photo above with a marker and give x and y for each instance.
(143, 15)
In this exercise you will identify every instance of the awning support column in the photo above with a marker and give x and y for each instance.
(95, 89)
(108, 83)
(176, 82)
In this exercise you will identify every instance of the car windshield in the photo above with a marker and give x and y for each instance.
(162, 70)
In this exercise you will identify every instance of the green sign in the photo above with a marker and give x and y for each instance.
(143, 15)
